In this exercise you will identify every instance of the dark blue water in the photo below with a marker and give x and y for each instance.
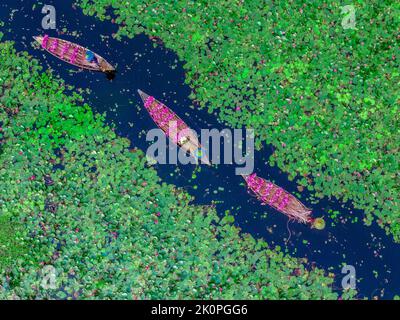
(158, 72)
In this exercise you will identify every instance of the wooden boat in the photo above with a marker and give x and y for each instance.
(281, 200)
(75, 54)
(174, 127)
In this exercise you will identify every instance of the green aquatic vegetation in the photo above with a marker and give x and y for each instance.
(325, 96)
(95, 212)
(11, 247)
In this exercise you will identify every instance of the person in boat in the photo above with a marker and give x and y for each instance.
(102, 64)
(91, 57)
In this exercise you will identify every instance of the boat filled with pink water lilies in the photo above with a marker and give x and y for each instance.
(75, 54)
(174, 127)
(281, 200)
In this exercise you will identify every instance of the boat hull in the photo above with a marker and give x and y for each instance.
(174, 127)
(278, 198)
(66, 50)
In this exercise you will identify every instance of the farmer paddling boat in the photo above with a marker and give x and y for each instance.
(174, 127)
(75, 54)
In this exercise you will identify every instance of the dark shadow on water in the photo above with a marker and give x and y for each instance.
(110, 75)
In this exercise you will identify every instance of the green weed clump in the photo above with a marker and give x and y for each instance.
(325, 95)
(91, 210)
(11, 248)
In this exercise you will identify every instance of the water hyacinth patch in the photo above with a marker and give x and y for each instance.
(100, 217)
(323, 94)
(11, 246)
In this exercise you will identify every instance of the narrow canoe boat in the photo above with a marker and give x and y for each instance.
(174, 127)
(75, 54)
(281, 200)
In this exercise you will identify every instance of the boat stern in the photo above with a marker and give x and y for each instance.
(144, 96)
(38, 38)
(104, 65)
(205, 160)
(110, 68)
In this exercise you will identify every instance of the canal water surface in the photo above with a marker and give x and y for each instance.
(159, 72)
